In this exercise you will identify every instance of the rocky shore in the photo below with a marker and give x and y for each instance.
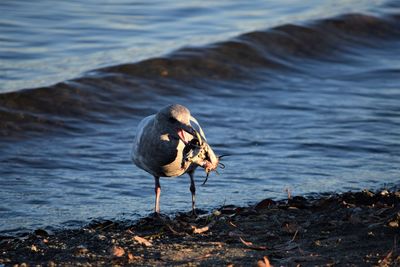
(349, 229)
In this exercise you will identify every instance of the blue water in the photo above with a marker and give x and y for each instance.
(305, 95)
(43, 42)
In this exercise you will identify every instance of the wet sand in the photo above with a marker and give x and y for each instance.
(349, 229)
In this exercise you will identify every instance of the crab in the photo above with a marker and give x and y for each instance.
(199, 152)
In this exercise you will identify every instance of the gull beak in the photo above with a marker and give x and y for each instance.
(186, 133)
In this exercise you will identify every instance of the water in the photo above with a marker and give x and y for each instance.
(43, 43)
(304, 95)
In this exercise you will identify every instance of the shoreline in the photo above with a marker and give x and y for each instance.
(353, 228)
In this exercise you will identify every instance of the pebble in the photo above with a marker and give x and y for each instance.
(34, 248)
(384, 193)
(393, 224)
(81, 249)
(216, 213)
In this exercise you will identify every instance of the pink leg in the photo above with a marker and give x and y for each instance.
(157, 190)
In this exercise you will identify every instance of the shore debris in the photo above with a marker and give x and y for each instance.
(302, 231)
(142, 241)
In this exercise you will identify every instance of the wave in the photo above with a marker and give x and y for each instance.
(117, 91)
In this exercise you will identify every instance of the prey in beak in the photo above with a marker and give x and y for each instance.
(187, 134)
(199, 152)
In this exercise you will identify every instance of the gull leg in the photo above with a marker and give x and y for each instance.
(157, 190)
(193, 191)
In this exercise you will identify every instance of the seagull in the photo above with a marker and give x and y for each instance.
(161, 145)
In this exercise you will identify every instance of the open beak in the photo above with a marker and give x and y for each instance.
(186, 133)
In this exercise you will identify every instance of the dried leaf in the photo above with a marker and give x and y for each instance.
(200, 230)
(142, 241)
(264, 262)
(118, 251)
(260, 263)
(132, 258)
(250, 245)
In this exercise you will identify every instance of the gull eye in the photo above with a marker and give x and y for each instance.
(172, 119)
